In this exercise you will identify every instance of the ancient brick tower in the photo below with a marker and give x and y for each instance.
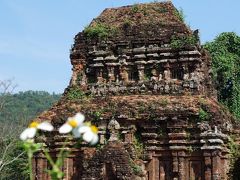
(140, 74)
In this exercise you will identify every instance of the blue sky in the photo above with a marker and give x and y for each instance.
(35, 36)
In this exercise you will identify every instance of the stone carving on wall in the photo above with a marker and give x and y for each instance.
(154, 75)
(168, 87)
(124, 74)
(160, 77)
(113, 128)
(100, 78)
(111, 76)
(166, 72)
(154, 65)
(141, 75)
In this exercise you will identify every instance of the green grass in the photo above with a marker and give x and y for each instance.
(75, 93)
(98, 31)
(180, 14)
(203, 115)
(180, 42)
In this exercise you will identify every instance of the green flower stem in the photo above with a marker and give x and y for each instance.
(49, 158)
(55, 172)
(30, 155)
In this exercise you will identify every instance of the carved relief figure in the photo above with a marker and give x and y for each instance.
(100, 78)
(141, 73)
(160, 77)
(124, 74)
(154, 75)
(111, 74)
(166, 72)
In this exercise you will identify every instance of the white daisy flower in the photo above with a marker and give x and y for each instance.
(72, 124)
(31, 131)
(90, 133)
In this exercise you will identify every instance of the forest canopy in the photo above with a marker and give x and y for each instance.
(225, 53)
(25, 105)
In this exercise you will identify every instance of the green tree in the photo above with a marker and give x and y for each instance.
(26, 105)
(15, 112)
(225, 52)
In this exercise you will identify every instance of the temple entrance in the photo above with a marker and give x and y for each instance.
(165, 168)
(161, 169)
(109, 172)
(195, 170)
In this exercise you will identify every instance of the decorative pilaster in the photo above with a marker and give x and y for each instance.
(181, 163)
(207, 164)
(216, 165)
(213, 141)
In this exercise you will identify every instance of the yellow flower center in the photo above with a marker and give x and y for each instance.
(73, 123)
(94, 129)
(34, 124)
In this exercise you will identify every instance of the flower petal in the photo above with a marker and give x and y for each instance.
(65, 128)
(32, 132)
(46, 126)
(28, 133)
(88, 136)
(84, 129)
(24, 134)
(76, 133)
(79, 117)
(94, 140)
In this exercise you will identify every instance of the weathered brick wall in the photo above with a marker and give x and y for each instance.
(111, 162)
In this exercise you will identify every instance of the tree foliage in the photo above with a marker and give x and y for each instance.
(15, 112)
(26, 105)
(225, 52)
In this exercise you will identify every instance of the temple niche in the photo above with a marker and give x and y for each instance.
(145, 81)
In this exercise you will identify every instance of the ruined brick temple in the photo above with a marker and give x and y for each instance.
(141, 75)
